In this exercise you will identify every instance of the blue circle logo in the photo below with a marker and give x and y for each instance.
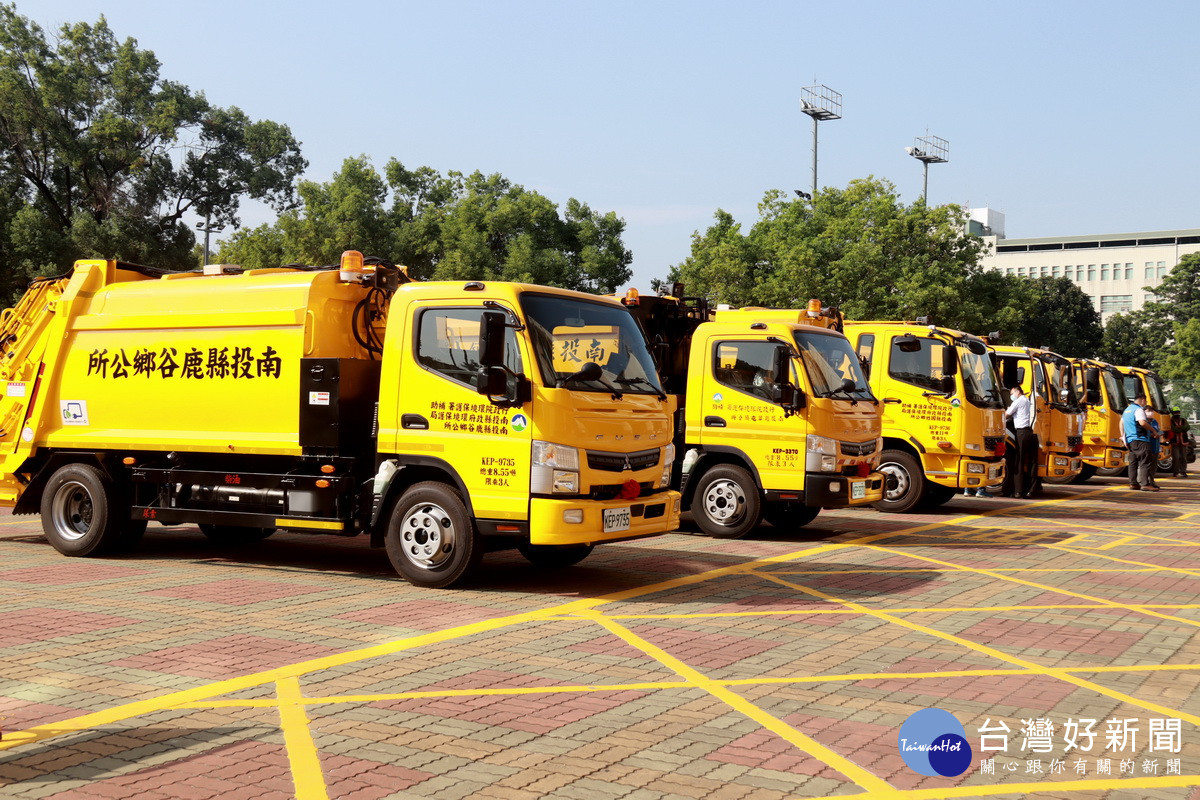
(933, 742)
(519, 423)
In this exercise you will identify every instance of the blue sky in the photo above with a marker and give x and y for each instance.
(1069, 117)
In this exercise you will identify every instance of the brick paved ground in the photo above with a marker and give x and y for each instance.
(778, 666)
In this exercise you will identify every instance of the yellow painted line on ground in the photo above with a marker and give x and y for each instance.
(1085, 785)
(850, 611)
(1181, 570)
(919, 570)
(1116, 532)
(307, 777)
(662, 685)
(864, 778)
(999, 655)
(20, 522)
(1137, 609)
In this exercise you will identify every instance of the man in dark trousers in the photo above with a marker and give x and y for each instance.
(1020, 411)
(1139, 437)
(1177, 433)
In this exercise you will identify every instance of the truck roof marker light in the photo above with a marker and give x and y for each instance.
(323, 484)
(350, 268)
(328, 468)
(214, 269)
(758, 326)
(632, 298)
(473, 286)
(814, 308)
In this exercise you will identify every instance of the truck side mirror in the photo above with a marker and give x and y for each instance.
(493, 381)
(1091, 380)
(949, 361)
(491, 340)
(790, 397)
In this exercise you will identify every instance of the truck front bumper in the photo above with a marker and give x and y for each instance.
(977, 474)
(550, 518)
(829, 490)
(1060, 465)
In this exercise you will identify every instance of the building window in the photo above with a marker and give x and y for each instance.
(1020, 272)
(1104, 272)
(1116, 303)
(1054, 272)
(1149, 270)
(1129, 272)
(1162, 269)
(1091, 272)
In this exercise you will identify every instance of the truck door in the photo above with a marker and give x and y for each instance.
(739, 409)
(443, 418)
(914, 391)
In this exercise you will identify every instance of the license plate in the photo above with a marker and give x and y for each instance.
(616, 519)
(858, 490)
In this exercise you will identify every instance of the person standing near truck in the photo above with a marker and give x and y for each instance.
(1021, 413)
(1177, 436)
(1139, 437)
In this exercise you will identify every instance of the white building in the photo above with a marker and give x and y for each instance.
(1117, 270)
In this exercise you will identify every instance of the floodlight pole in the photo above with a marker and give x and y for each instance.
(929, 150)
(819, 102)
(814, 183)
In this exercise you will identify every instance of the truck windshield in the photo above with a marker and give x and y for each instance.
(568, 333)
(1154, 389)
(828, 361)
(1062, 390)
(1114, 387)
(979, 379)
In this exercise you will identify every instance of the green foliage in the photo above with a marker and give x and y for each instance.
(1183, 360)
(1057, 315)
(94, 159)
(1138, 338)
(443, 227)
(1179, 293)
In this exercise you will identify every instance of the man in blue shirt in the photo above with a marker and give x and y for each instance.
(1139, 437)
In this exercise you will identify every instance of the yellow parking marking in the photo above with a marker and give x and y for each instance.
(660, 685)
(301, 751)
(1180, 570)
(850, 611)
(1086, 785)
(862, 777)
(999, 655)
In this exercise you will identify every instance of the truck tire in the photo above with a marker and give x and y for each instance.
(1166, 466)
(727, 504)
(909, 479)
(554, 556)
(431, 539)
(1085, 474)
(789, 515)
(234, 534)
(82, 512)
(937, 496)
(1111, 472)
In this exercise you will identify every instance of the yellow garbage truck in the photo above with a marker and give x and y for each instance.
(1102, 389)
(943, 414)
(775, 417)
(1046, 377)
(442, 419)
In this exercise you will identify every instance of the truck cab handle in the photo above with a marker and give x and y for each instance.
(892, 400)
(714, 422)
(414, 422)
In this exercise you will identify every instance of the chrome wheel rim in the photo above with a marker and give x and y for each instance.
(903, 481)
(427, 536)
(72, 511)
(725, 502)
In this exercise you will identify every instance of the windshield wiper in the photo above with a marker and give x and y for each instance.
(591, 372)
(642, 382)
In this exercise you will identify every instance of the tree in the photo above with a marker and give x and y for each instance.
(110, 156)
(1179, 293)
(451, 227)
(857, 248)
(1137, 339)
(1059, 316)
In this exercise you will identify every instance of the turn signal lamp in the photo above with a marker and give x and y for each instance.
(632, 298)
(945, 445)
(814, 308)
(129, 461)
(351, 270)
(322, 484)
(327, 468)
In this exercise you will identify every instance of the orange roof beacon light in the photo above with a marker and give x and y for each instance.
(632, 298)
(351, 269)
(814, 308)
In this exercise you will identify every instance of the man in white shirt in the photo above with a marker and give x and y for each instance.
(1021, 412)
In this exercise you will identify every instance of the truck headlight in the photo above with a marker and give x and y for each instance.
(668, 457)
(821, 455)
(554, 469)
(975, 466)
(1060, 462)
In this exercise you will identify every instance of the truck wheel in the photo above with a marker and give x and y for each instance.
(788, 515)
(727, 504)
(1085, 474)
(905, 482)
(553, 556)
(1111, 472)
(1165, 465)
(81, 511)
(937, 495)
(431, 540)
(234, 534)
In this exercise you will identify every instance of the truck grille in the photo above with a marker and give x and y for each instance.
(610, 491)
(857, 448)
(992, 442)
(619, 462)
